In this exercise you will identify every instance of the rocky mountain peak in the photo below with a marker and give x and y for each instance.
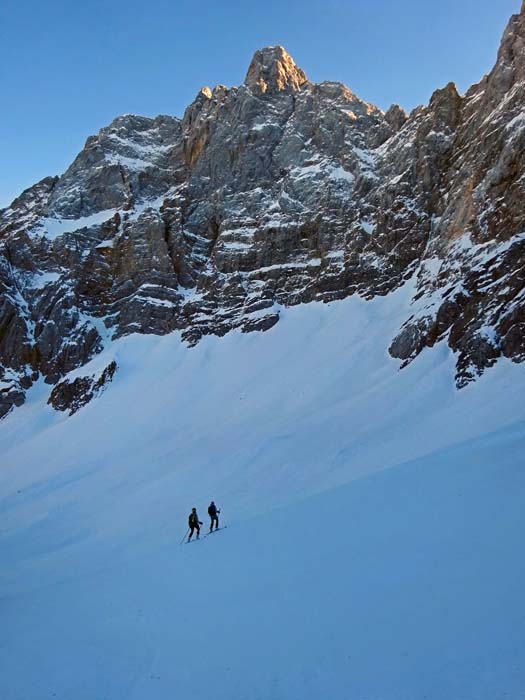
(445, 105)
(512, 43)
(510, 64)
(248, 205)
(205, 92)
(195, 108)
(273, 70)
(396, 116)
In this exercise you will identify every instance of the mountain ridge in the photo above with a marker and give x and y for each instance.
(276, 192)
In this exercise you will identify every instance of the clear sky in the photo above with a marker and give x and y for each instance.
(68, 67)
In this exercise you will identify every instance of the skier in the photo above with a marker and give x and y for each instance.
(194, 523)
(212, 512)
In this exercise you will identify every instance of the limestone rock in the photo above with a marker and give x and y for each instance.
(274, 193)
(273, 70)
(396, 117)
(72, 395)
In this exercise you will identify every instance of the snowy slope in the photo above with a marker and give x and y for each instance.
(374, 522)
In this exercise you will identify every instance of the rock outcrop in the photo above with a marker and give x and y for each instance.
(71, 394)
(277, 192)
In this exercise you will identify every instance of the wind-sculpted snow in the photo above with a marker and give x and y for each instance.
(375, 519)
(271, 194)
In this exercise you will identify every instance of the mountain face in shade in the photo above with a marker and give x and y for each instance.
(274, 193)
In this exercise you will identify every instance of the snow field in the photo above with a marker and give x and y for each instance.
(374, 518)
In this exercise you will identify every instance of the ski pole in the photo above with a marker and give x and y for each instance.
(182, 540)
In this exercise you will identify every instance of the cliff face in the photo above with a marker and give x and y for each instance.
(277, 192)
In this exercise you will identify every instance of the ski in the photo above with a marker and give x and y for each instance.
(219, 528)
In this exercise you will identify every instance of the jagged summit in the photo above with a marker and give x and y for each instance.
(273, 70)
(396, 116)
(509, 69)
(277, 193)
(512, 49)
(513, 41)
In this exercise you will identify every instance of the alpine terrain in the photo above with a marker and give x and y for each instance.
(313, 313)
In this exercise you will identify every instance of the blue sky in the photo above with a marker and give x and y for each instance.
(67, 68)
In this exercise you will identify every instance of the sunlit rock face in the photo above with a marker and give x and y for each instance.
(273, 70)
(277, 192)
